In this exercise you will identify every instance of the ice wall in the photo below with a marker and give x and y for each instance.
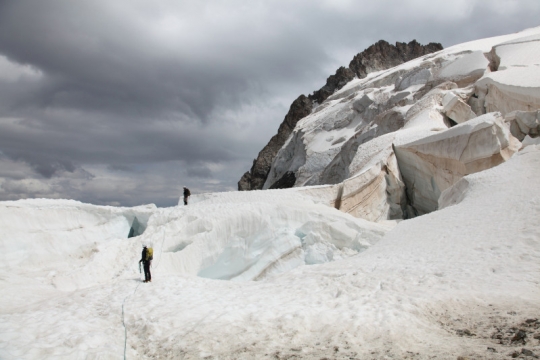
(65, 243)
(254, 235)
(348, 141)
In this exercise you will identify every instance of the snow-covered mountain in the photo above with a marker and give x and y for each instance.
(377, 57)
(392, 142)
(323, 271)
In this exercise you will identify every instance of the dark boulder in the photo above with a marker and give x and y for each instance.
(287, 181)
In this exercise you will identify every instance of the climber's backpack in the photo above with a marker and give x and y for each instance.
(149, 254)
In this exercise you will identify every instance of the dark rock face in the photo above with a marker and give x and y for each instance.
(245, 181)
(254, 180)
(334, 82)
(382, 56)
(379, 56)
(287, 181)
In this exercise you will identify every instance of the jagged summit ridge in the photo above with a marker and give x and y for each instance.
(377, 57)
(382, 56)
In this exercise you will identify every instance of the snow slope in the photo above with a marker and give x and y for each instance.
(470, 268)
(57, 249)
(473, 266)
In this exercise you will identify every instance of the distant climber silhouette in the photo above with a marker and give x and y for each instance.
(187, 194)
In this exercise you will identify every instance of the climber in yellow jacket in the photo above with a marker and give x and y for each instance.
(146, 258)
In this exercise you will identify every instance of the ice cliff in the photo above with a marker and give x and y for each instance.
(380, 56)
(387, 143)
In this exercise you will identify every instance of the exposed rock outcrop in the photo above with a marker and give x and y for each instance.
(334, 82)
(386, 146)
(383, 55)
(245, 181)
(286, 181)
(291, 157)
(255, 178)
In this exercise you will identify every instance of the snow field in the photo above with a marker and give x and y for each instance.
(74, 266)
(470, 266)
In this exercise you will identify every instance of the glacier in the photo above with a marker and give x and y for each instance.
(359, 138)
(411, 232)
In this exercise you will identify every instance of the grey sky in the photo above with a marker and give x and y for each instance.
(124, 102)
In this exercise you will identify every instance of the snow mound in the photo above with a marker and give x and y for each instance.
(254, 235)
(68, 243)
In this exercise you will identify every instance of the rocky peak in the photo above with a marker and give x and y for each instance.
(379, 56)
(334, 82)
(383, 55)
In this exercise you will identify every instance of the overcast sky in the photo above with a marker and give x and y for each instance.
(124, 102)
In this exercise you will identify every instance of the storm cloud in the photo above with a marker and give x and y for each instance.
(124, 102)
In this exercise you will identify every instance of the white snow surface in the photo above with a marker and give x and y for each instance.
(523, 51)
(474, 265)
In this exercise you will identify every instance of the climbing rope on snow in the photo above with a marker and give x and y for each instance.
(134, 291)
(123, 318)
